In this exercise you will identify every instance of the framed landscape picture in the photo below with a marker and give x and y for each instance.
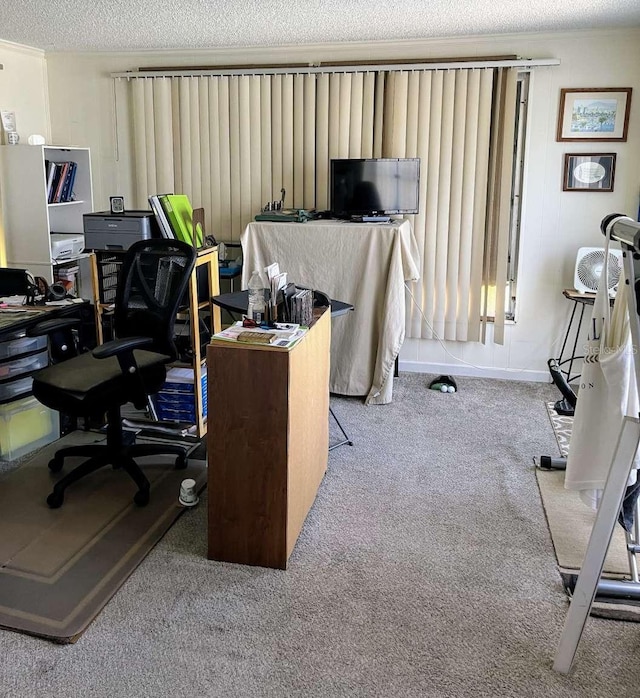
(594, 114)
(589, 171)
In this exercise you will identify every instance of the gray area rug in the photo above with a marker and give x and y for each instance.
(58, 568)
(425, 569)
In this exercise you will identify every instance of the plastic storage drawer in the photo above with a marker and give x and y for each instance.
(22, 345)
(26, 425)
(12, 389)
(27, 364)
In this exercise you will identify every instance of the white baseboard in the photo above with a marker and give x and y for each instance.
(514, 374)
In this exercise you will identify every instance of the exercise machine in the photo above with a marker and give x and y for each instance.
(626, 231)
(565, 407)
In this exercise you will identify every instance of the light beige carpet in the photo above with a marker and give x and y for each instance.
(59, 567)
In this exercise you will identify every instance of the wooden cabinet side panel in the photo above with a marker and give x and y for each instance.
(308, 424)
(247, 455)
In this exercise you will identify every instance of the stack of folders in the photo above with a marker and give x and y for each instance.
(175, 217)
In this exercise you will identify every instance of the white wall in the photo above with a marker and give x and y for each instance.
(554, 226)
(23, 90)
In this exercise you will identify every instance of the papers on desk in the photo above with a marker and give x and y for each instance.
(65, 301)
(285, 335)
(13, 300)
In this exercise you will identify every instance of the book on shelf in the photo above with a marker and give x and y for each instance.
(64, 169)
(51, 171)
(176, 401)
(55, 179)
(67, 187)
(60, 180)
(161, 217)
(180, 215)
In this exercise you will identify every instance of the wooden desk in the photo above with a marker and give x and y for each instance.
(267, 444)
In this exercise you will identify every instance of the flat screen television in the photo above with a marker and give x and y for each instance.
(374, 187)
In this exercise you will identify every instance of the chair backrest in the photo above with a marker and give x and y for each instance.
(151, 285)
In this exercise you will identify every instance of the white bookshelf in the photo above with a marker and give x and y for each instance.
(29, 219)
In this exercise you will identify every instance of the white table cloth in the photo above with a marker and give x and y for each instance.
(360, 263)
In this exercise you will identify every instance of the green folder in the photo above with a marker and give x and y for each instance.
(180, 215)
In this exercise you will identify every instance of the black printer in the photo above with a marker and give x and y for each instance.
(104, 230)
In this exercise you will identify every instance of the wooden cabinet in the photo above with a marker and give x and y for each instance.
(267, 444)
(29, 220)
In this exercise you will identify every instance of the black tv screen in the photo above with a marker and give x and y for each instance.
(376, 186)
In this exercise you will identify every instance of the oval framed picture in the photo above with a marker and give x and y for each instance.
(589, 171)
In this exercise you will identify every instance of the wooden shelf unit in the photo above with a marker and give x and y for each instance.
(207, 258)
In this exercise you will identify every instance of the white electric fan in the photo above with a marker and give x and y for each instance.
(589, 266)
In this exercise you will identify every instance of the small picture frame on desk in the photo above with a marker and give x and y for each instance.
(589, 172)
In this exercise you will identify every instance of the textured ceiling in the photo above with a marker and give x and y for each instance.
(122, 25)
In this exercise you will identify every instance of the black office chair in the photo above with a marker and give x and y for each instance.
(152, 282)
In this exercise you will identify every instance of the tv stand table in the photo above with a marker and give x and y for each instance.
(365, 264)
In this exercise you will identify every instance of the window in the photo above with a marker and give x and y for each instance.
(522, 101)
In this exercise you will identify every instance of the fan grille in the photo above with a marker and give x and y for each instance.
(591, 265)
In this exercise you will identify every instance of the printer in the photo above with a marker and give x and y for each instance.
(118, 231)
(66, 246)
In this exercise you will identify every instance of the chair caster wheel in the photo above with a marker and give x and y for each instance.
(55, 499)
(55, 465)
(141, 498)
(181, 462)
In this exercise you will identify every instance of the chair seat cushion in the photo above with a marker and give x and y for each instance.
(85, 385)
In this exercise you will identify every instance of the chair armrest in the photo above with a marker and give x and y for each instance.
(53, 325)
(118, 347)
(122, 349)
(62, 343)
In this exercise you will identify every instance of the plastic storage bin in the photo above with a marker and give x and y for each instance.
(12, 389)
(26, 425)
(27, 364)
(22, 345)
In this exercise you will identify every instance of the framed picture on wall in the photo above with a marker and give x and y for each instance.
(589, 171)
(594, 114)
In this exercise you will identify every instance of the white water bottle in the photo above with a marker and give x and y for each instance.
(256, 307)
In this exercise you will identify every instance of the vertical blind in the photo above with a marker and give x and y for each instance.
(232, 143)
